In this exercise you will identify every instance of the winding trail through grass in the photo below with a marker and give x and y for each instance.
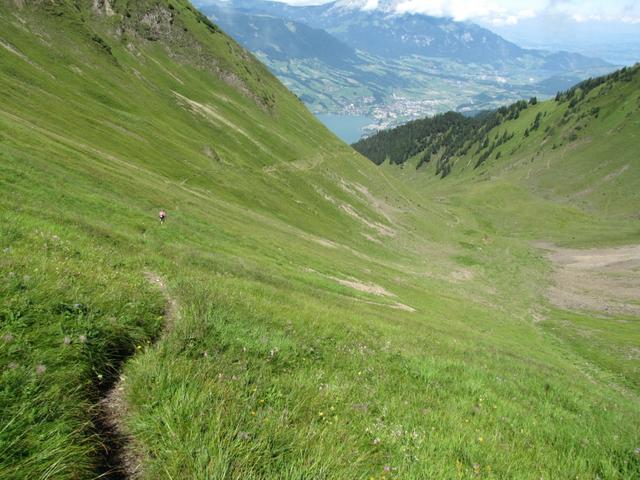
(119, 460)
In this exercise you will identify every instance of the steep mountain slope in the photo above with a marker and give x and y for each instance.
(280, 39)
(326, 73)
(333, 321)
(561, 138)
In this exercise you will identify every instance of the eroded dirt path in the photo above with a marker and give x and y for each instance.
(120, 460)
(605, 280)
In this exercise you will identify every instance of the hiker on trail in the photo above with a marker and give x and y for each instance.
(162, 215)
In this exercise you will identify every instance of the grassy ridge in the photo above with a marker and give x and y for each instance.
(336, 321)
(449, 139)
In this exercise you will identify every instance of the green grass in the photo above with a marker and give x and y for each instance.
(274, 369)
(71, 312)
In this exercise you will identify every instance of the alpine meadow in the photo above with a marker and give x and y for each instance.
(467, 305)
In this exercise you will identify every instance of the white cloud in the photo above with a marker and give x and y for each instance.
(492, 11)
(627, 11)
(371, 5)
(504, 12)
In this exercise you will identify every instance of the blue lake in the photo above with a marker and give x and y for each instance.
(347, 127)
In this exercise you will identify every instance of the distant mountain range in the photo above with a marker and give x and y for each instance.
(616, 41)
(343, 58)
(282, 39)
(387, 34)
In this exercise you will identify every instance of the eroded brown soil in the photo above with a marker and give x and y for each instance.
(604, 280)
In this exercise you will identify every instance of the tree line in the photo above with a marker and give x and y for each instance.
(442, 136)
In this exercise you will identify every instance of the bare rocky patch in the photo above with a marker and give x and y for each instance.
(159, 24)
(394, 305)
(379, 205)
(325, 195)
(604, 280)
(462, 275)
(371, 238)
(362, 286)
(377, 226)
(366, 287)
(103, 7)
(325, 243)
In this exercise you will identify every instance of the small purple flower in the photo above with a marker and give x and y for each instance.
(40, 369)
(386, 469)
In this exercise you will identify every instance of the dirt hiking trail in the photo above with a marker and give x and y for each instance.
(119, 460)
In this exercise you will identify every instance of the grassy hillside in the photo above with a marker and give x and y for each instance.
(445, 138)
(578, 149)
(335, 320)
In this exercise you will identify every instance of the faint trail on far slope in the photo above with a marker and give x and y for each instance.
(171, 308)
(119, 460)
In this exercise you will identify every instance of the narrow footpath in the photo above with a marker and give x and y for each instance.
(119, 460)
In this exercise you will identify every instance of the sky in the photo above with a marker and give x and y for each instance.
(510, 12)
